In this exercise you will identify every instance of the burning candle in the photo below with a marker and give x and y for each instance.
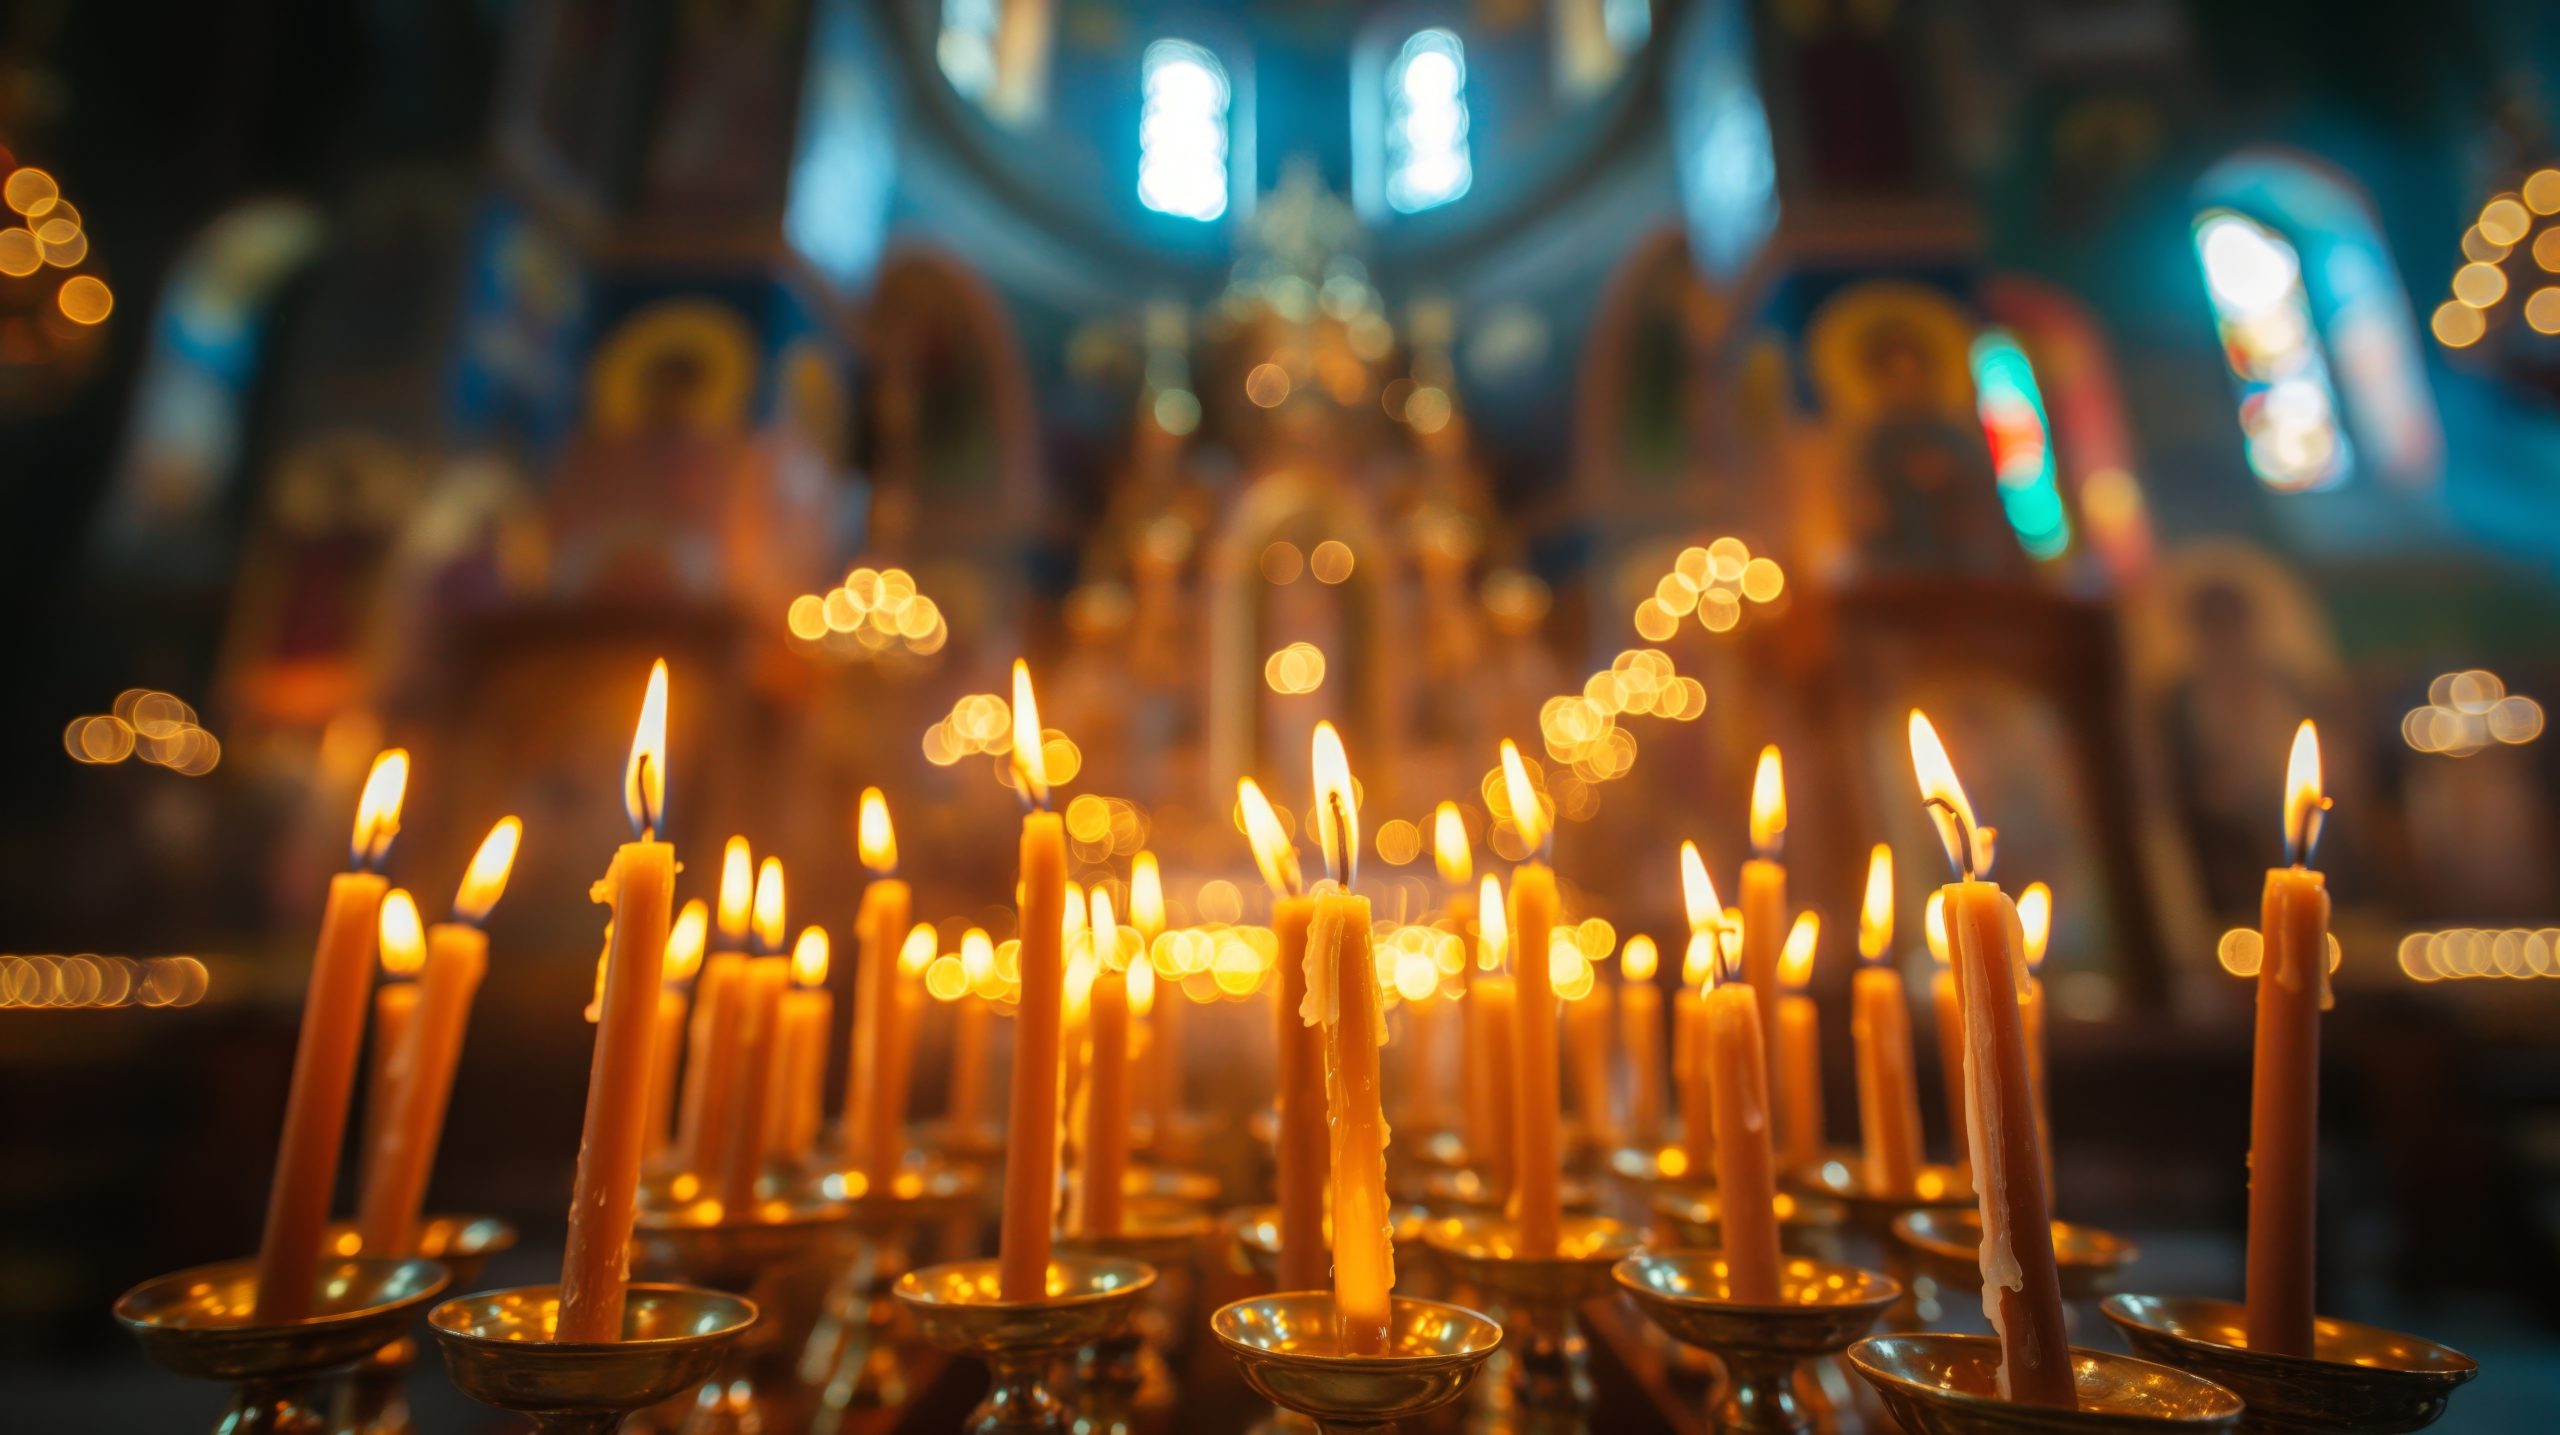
(456, 953)
(1799, 1048)
(1880, 1026)
(1764, 891)
(754, 1091)
(2021, 1289)
(800, 1057)
(1707, 933)
(1102, 1149)
(403, 941)
(1736, 1066)
(1640, 1028)
(711, 1072)
(2284, 1104)
(1299, 1154)
(1537, 1169)
(1343, 1000)
(1031, 1131)
(968, 1098)
(1950, 1020)
(683, 961)
(324, 1055)
(875, 1139)
(639, 887)
(898, 1048)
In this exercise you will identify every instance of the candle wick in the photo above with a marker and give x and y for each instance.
(1963, 846)
(2300, 843)
(1349, 865)
(648, 822)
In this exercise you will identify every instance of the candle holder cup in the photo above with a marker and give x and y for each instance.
(1537, 1293)
(780, 1253)
(1287, 1348)
(1872, 1212)
(1765, 1347)
(2358, 1380)
(1256, 1230)
(1132, 1369)
(500, 1349)
(850, 1354)
(960, 1307)
(1808, 1226)
(1949, 1385)
(370, 1396)
(199, 1323)
(1947, 1244)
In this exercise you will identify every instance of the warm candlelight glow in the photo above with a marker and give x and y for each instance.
(737, 892)
(1698, 890)
(1795, 961)
(1030, 763)
(404, 937)
(1337, 807)
(2303, 800)
(1933, 924)
(1698, 959)
(1526, 814)
(917, 953)
(486, 878)
(644, 775)
(873, 837)
(809, 958)
(1142, 988)
(1146, 894)
(977, 956)
(1105, 926)
(1493, 925)
(1768, 804)
(1968, 842)
(1640, 959)
(2035, 917)
(768, 918)
(1875, 914)
(1449, 846)
(685, 942)
(1272, 850)
(378, 811)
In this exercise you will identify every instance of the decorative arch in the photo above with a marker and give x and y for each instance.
(956, 429)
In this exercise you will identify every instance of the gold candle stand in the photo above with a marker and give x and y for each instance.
(371, 1397)
(1821, 1308)
(1872, 1214)
(960, 1307)
(1949, 1385)
(1287, 1349)
(1550, 1381)
(1131, 1370)
(780, 1254)
(499, 1349)
(2358, 1380)
(198, 1323)
(850, 1355)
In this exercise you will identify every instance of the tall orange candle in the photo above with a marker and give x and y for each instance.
(711, 1064)
(1949, 1011)
(1709, 933)
(683, 963)
(395, 1003)
(324, 1055)
(457, 952)
(640, 887)
(875, 1141)
(966, 1108)
(1495, 999)
(1640, 1031)
(1102, 1151)
(1764, 892)
(1880, 1026)
(752, 1100)
(2284, 1098)
(1799, 1061)
(800, 1059)
(1344, 1002)
(1738, 1094)
(1300, 1156)
(2021, 1287)
(1536, 1205)
(1031, 1131)
(897, 1050)
(1590, 1035)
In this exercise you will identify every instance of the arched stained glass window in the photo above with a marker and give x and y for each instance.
(1182, 131)
(1427, 156)
(2289, 413)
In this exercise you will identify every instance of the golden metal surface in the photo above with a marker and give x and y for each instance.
(1286, 1346)
(704, 1242)
(1807, 1224)
(464, 1243)
(499, 1349)
(1257, 1235)
(1157, 1232)
(1464, 1190)
(2358, 1378)
(196, 1323)
(1948, 1243)
(1842, 1180)
(915, 1195)
(961, 1307)
(1821, 1307)
(1485, 1250)
(1948, 1384)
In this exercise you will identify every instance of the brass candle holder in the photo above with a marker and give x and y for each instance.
(780, 1253)
(1872, 1212)
(1537, 1291)
(2358, 1378)
(371, 1396)
(1287, 1349)
(1256, 1230)
(1808, 1225)
(1947, 1245)
(498, 1347)
(1765, 1347)
(198, 1323)
(1949, 1385)
(850, 1356)
(960, 1307)
(1131, 1370)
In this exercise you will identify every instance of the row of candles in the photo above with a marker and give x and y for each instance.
(758, 1045)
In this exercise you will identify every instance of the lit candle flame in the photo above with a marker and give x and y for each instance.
(685, 941)
(1030, 763)
(1105, 926)
(1526, 815)
(768, 918)
(1768, 804)
(1146, 895)
(1698, 959)
(1142, 989)
(404, 938)
(1449, 846)
(1337, 807)
(873, 837)
(1875, 914)
(1698, 890)
(918, 951)
(1071, 915)
(378, 810)
(1273, 852)
(809, 958)
(644, 776)
(1795, 960)
(2303, 801)
(1933, 925)
(977, 956)
(485, 880)
(737, 892)
(1968, 842)
(1492, 923)
(2035, 918)
(1640, 960)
